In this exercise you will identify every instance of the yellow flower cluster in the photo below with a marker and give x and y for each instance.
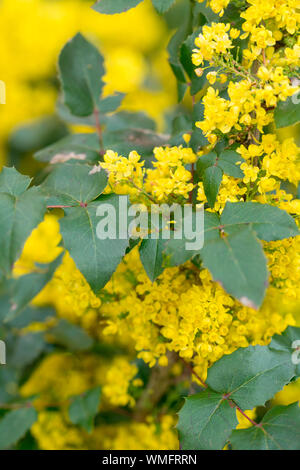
(217, 6)
(213, 40)
(277, 160)
(60, 376)
(246, 106)
(125, 174)
(270, 61)
(53, 432)
(186, 312)
(117, 379)
(167, 181)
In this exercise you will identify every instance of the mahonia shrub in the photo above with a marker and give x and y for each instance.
(136, 342)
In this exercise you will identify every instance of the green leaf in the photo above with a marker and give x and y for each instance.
(269, 222)
(287, 112)
(97, 259)
(12, 182)
(289, 341)
(236, 260)
(32, 315)
(84, 408)
(25, 288)
(72, 337)
(110, 7)
(278, 430)
(35, 135)
(123, 141)
(151, 253)
(19, 215)
(206, 161)
(206, 421)
(85, 146)
(162, 5)
(212, 178)
(15, 424)
(128, 120)
(251, 376)
(228, 160)
(81, 71)
(74, 184)
(111, 103)
(25, 349)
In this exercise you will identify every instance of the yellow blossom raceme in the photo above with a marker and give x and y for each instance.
(217, 6)
(170, 178)
(125, 174)
(117, 380)
(150, 435)
(214, 39)
(54, 432)
(194, 315)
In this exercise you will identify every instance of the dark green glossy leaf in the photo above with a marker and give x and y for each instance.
(278, 430)
(81, 71)
(269, 222)
(74, 184)
(13, 182)
(206, 421)
(212, 178)
(251, 376)
(15, 424)
(96, 258)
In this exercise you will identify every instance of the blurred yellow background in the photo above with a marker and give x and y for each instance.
(32, 34)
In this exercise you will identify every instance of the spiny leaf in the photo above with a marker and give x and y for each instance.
(269, 222)
(228, 161)
(278, 430)
(251, 376)
(96, 258)
(289, 341)
(13, 182)
(236, 260)
(151, 253)
(74, 184)
(205, 421)
(81, 71)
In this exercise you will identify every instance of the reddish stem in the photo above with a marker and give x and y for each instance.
(57, 207)
(226, 397)
(246, 416)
